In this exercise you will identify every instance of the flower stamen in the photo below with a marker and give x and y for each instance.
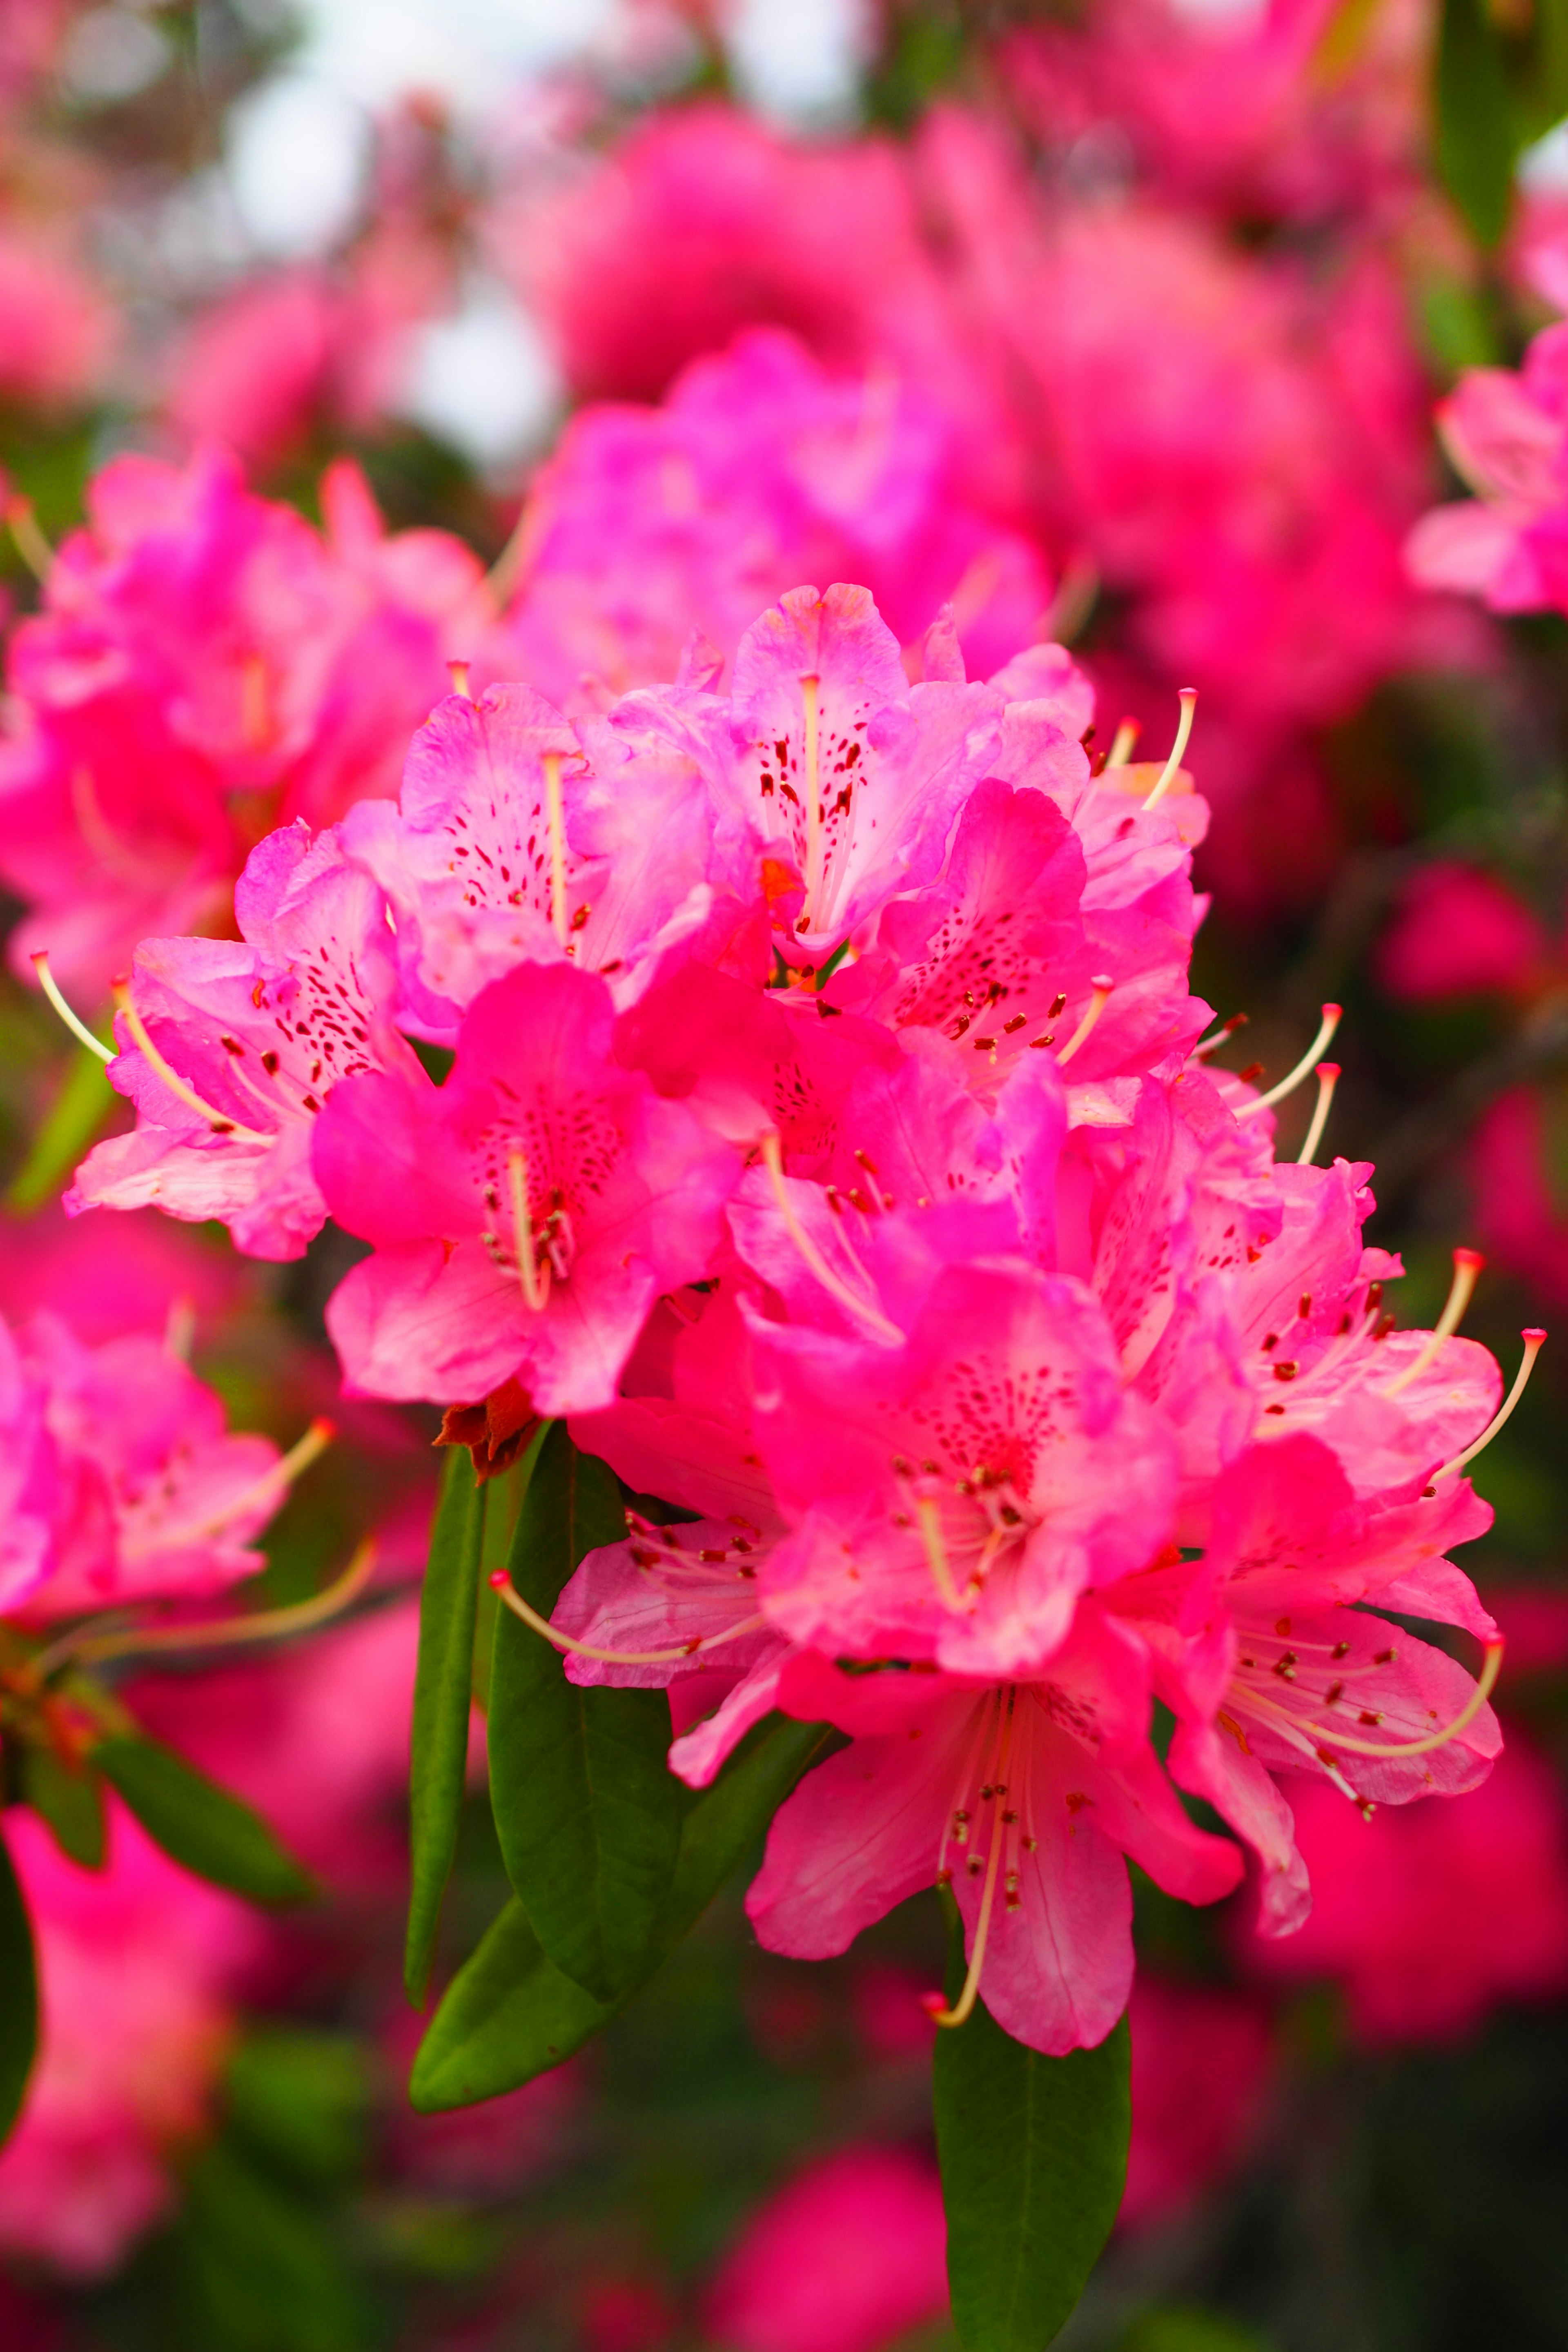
(501, 1584)
(1534, 1340)
(1167, 776)
(72, 1019)
(1101, 986)
(1333, 1015)
(1328, 1077)
(220, 1121)
(1468, 1264)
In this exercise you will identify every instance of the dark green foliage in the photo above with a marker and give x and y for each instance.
(586, 1808)
(19, 1995)
(439, 1750)
(1034, 2159)
(70, 1802)
(511, 2014)
(200, 1824)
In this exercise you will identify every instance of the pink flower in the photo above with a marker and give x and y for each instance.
(155, 1497)
(1308, 1678)
(137, 1966)
(951, 1496)
(55, 325)
(525, 1214)
(758, 470)
(1519, 1214)
(1457, 930)
(230, 1048)
(1431, 1915)
(847, 2256)
(1024, 1796)
(207, 666)
(1508, 436)
(1202, 2060)
(108, 1276)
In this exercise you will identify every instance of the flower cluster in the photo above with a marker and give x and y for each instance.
(207, 666)
(798, 1088)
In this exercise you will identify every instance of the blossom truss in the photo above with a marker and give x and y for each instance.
(797, 1087)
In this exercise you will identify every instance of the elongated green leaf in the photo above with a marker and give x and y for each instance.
(438, 1747)
(586, 1808)
(511, 2014)
(210, 1831)
(1033, 2161)
(70, 1801)
(79, 1109)
(1175, 2329)
(1477, 132)
(18, 1995)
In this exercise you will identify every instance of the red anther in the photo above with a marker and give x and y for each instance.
(1328, 1070)
(1469, 1257)
(497, 1578)
(1535, 1337)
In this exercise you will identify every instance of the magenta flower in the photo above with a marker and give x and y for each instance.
(139, 1967)
(849, 2255)
(229, 1049)
(206, 667)
(526, 1215)
(1024, 1796)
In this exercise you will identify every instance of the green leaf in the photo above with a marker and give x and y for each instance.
(1033, 2161)
(18, 1995)
(300, 2098)
(511, 2014)
(586, 1808)
(79, 1109)
(1478, 135)
(265, 2268)
(1182, 2330)
(70, 1802)
(439, 1745)
(200, 1824)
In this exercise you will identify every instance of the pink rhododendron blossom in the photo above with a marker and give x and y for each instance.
(1521, 1214)
(1457, 930)
(123, 1482)
(107, 1277)
(1430, 1915)
(1201, 2065)
(525, 1214)
(1508, 436)
(257, 1031)
(845, 2257)
(207, 666)
(138, 1966)
(55, 325)
(760, 469)
(1024, 1796)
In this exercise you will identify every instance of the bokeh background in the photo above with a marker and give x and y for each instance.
(1172, 310)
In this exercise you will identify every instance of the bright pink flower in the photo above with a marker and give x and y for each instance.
(1455, 930)
(918, 1796)
(849, 2254)
(705, 184)
(525, 1214)
(1508, 436)
(522, 836)
(250, 1036)
(107, 1277)
(758, 470)
(207, 666)
(1306, 1676)
(153, 1496)
(137, 1966)
(951, 1496)
(30, 1477)
(1201, 2065)
(1430, 1915)
(668, 1589)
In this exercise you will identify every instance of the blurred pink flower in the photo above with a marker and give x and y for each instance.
(55, 325)
(207, 666)
(847, 2256)
(136, 1965)
(108, 1278)
(1521, 1216)
(1457, 930)
(760, 469)
(1201, 2067)
(317, 1739)
(1430, 1915)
